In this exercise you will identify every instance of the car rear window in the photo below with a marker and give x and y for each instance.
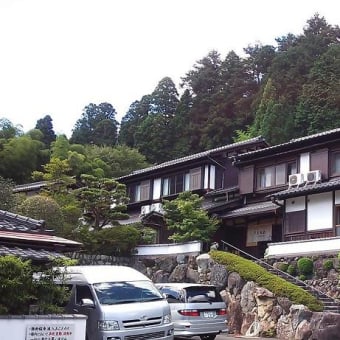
(202, 294)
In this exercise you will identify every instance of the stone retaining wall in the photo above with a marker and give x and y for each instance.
(252, 310)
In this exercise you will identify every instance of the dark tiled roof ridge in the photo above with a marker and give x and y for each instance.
(292, 141)
(308, 188)
(13, 216)
(194, 156)
(29, 186)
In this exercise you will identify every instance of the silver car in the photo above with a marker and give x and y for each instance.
(196, 309)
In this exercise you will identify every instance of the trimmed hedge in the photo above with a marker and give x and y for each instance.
(251, 271)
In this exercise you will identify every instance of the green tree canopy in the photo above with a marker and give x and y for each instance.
(8, 130)
(97, 125)
(19, 157)
(7, 198)
(103, 201)
(43, 208)
(188, 221)
(46, 127)
(319, 103)
(119, 161)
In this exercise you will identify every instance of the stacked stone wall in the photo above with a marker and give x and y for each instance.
(252, 310)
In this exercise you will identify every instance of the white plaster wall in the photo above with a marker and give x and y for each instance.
(320, 211)
(170, 249)
(295, 204)
(329, 245)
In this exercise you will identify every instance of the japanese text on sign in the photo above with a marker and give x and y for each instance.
(50, 332)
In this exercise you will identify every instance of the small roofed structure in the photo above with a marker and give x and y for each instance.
(28, 238)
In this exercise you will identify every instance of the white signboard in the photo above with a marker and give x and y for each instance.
(258, 233)
(57, 331)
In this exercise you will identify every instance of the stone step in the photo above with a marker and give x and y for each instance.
(329, 304)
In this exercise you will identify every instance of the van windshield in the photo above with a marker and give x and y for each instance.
(110, 293)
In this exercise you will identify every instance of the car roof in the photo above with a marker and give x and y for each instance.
(103, 273)
(181, 285)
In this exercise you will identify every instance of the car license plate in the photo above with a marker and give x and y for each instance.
(209, 314)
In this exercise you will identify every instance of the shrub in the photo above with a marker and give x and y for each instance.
(302, 277)
(291, 270)
(328, 264)
(283, 266)
(116, 241)
(19, 288)
(251, 271)
(305, 266)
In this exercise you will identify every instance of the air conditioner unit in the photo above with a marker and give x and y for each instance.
(313, 176)
(157, 207)
(145, 209)
(295, 180)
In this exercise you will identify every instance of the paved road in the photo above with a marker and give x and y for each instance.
(227, 337)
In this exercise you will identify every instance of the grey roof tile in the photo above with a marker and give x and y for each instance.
(251, 209)
(28, 253)
(14, 222)
(272, 149)
(194, 156)
(307, 189)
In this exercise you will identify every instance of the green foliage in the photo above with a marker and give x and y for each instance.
(291, 270)
(103, 201)
(328, 264)
(115, 161)
(97, 126)
(19, 288)
(283, 266)
(117, 241)
(7, 198)
(19, 157)
(8, 130)
(46, 127)
(188, 221)
(305, 266)
(302, 277)
(15, 285)
(319, 103)
(148, 235)
(152, 138)
(250, 271)
(60, 147)
(42, 208)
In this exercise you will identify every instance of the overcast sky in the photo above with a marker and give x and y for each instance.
(57, 56)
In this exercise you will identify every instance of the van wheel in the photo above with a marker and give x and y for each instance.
(208, 337)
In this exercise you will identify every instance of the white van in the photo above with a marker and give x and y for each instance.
(120, 303)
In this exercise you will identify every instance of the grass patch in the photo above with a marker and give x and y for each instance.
(251, 271)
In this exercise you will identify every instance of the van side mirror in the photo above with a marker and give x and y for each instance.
(87, 303)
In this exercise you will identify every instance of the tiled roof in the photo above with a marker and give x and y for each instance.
(307, 189)
(307, 140)
(251, 209)
(195, 156)
(30, 186)
(14, 222)
(28, 253)
(24, 231)
(34, 237)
